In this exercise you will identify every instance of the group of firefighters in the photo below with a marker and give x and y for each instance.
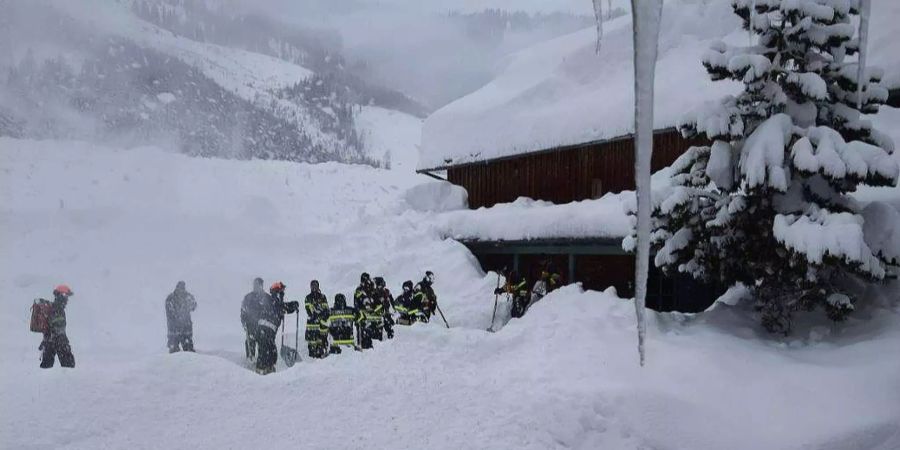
(370, 316)
(355, 326)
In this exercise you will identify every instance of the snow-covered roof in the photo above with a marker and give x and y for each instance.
(562, 93)
(527, 219)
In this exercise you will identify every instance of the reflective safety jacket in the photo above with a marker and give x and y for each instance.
(360, 296)
(407, 305)
(383, 296)
(317, 312)
(519, 289)
(340, 323)
(372, 313)
(425, 297)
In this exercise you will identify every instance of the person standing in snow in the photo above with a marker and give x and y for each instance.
(316, 321)
(551, 276)
(369, 319)
(425, 296)
(250, 316)
(272, 309)
(55, 342)
(516, 286)
(383, 297)
(407, 306)
(179, 305)
(341, 320)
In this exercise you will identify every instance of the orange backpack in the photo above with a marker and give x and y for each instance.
(40, 316)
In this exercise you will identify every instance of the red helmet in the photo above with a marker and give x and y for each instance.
(63, 290)
(277, 287)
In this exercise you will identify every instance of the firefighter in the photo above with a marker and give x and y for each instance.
(424, 295)
(369, 320)
(383, 296)
(316, 321)
(407, 307)
(55, 342)
(341, 320)
(516, 286)
(551, 276)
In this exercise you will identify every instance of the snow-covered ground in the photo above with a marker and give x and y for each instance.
(122, 226)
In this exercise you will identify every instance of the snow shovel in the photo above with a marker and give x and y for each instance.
(291, 355)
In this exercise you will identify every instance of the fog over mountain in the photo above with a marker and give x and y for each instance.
(275, 79)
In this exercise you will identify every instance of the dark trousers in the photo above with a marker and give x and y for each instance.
(268, 352)
(367, 332)
(54, 346)
(389, 326)
(316, 340)
(181, 341)
(519, 305)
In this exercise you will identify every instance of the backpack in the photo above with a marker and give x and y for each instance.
(40, 316)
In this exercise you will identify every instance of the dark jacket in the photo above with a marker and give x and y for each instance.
(260, 309)
(316, 308)
(340, 323)
(57, 320)
(179, 305)
(251, 309)
(425, 297)
(407, 304)
(362, 295)
(384, 296)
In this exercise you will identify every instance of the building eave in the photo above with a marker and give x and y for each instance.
(561, 148)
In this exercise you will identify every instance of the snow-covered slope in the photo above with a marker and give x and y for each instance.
(122, 226)
(132, 73)
(390, 136)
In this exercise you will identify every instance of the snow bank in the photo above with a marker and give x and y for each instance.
(560, 92)
(437, 196)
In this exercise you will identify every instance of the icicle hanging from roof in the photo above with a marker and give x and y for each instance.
(598, 16)
(864, 9)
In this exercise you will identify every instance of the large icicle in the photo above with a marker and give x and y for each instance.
(598, 16)
(864, 9)
(646, 16)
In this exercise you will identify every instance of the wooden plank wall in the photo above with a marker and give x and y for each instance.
(563, 175)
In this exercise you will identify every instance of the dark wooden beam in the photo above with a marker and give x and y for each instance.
(559, 246)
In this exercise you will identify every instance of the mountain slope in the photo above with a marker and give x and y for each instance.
(102, 72)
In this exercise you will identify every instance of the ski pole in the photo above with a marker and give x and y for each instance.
(496, 297)
(297, 334)
(442, 314)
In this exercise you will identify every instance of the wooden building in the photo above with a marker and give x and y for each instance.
(563, 175)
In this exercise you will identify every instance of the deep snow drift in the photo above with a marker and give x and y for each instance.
(122, 226)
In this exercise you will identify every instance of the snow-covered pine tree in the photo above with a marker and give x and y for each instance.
(766, 203)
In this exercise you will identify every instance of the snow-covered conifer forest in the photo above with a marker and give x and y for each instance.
(471, 186)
